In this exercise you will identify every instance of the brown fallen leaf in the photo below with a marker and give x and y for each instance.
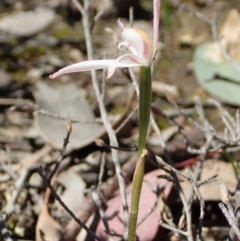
(73, 184)
(47, 229)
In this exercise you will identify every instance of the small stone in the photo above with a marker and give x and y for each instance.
(35, 74)
(5, 80)
(47, 40)
(25, 24)
(35, 180)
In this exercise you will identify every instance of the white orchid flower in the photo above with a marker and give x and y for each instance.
(135, 40)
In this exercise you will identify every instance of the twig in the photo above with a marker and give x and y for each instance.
(213, 25)
(98, 202)
(103, 82)
(27, 163)
(106, 122)
(96, 18)
(130, 115)
(101, 172)
(61, 155)
(236, 215)
(58, 117)
(230, 123)
(65, 207)
(131, 16)
(174, 173)
(7, 101)
(4, 231)
(7, 168)
(101, 143)
(157, 191)
(19, 184)
(202, 203)
(217, 39)
(196, 185)
(206, 181)
(229, 219)
(238, 123)
(175, 230)
(168, 213)
(108, 189)
(171, 168)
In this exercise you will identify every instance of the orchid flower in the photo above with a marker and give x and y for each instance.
(141, 53)
(135, 40)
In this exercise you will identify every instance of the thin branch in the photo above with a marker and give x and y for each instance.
(157, 191)
(61, 155)
(64, 118)
(175, 230)
(65, 207)
(101, 172)
(3, 229)
(229, 219)
(106, 122)
(98, 202)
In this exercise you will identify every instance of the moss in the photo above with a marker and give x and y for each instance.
(19, 76)
(61, 32)
(65, 31)
(30, 52)
(11, 41)
(118, 110)
(162, 123)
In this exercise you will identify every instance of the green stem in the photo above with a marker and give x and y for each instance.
(145, 94)
(135, 198)
(144, 116)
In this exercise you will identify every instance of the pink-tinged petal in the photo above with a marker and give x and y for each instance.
(137, 42)
(156, 19)
(121, 25)
(84, 66)
(126, 60)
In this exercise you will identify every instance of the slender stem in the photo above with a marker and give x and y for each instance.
(145, 94)
(135, 198)
(144, 116)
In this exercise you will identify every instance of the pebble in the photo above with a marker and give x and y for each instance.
(26, 24)
(5, 80)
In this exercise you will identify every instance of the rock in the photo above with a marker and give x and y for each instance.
(5, 81)
(230, 34)
(34, 74)
(46, 39)
(25, 24)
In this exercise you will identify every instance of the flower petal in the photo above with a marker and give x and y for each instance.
(126, 60)
(84, 66)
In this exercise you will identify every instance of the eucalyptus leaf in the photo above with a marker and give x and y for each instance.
(68, 102)
(221, 79)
